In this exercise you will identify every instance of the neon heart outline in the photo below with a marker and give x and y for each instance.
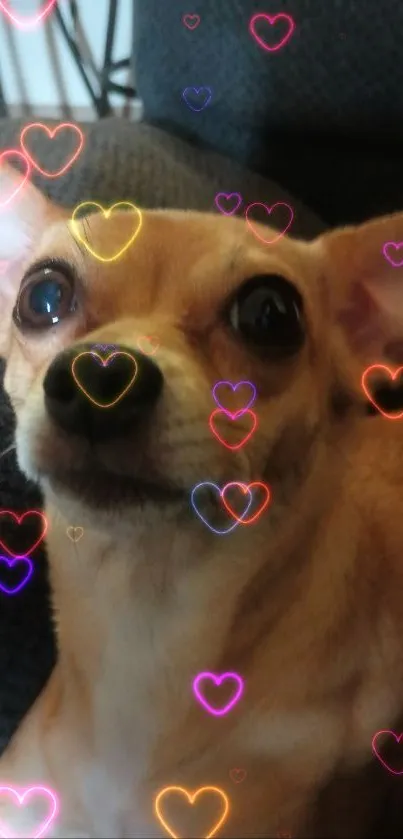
(234, 388)
(184, 21)
(19, 520)
(25, 177)
(251, 222)
(27, 791)
(237, 769)
(395, 245)
(374, 749)
(51, 133)
(10, 562)
(232, 448)
(197, 91)
(247, 487)
(147, 338)
(104, 363)
(220, 712)
(368, 395)
(228, 195)
(74, 527)
(271, 19)
(106, 214)
(213, 529)
(30, 22)
(191, 797)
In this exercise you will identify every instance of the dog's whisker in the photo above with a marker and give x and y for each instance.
(8, 450)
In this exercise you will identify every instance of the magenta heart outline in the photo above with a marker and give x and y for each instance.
(27, 22)
(186, 21)
(228, 195)
(272, 19)
(218, 712)
(234, 388)
(46, 822)
(11, 561)
(387, 256)
(398, 738)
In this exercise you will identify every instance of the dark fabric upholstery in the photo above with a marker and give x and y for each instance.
(323, 115)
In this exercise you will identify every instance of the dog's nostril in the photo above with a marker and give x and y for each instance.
(100, 396)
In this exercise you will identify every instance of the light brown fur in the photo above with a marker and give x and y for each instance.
(305, 604)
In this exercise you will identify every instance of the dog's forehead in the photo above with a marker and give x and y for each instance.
(177, 258)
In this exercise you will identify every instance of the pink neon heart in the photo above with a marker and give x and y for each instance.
(223, 385)
(389, 246)
(218, 680)
(27, 22)
(227, 196)
(271, 20)
(268, 210)
(15, 189)
(41, 828)
(191, 21)
(398, 738)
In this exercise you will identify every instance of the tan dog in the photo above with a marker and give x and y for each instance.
(305, 603)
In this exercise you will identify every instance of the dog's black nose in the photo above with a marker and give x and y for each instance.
(100, 394)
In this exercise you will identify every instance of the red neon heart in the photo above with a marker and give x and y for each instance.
(19, 520)
(367, 392)
(51, 132)
(24, 177)
(27, 22)
(246, 488)
(235, 418)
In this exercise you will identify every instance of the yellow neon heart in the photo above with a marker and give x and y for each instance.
(106, 213)
(191, 797)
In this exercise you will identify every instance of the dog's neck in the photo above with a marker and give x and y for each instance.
(122, 599)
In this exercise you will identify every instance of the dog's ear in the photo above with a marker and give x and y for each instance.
(23, 218)
(364, 284)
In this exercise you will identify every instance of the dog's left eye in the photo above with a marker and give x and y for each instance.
(47, 296)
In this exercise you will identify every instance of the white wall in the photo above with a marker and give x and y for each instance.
(30, 73)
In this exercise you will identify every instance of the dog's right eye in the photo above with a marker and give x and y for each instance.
(46, 297)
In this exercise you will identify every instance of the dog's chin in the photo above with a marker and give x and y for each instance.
(99, 488)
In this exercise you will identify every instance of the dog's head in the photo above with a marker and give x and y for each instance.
(300, 321)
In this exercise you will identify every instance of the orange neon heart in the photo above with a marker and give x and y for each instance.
(51, 132)
(147, 344)
(393, 376)
(246, 488)
(235, 418)
(191, 797)
(104, 363)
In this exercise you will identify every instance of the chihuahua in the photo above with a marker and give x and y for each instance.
(304, 602)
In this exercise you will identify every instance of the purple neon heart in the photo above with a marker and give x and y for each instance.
(234, 388)
(227, 196)
(197, 90)
(28, 573)
(218, 680)
(220, 491)
(397, 246)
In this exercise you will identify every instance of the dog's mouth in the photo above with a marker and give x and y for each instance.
(98, 487)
